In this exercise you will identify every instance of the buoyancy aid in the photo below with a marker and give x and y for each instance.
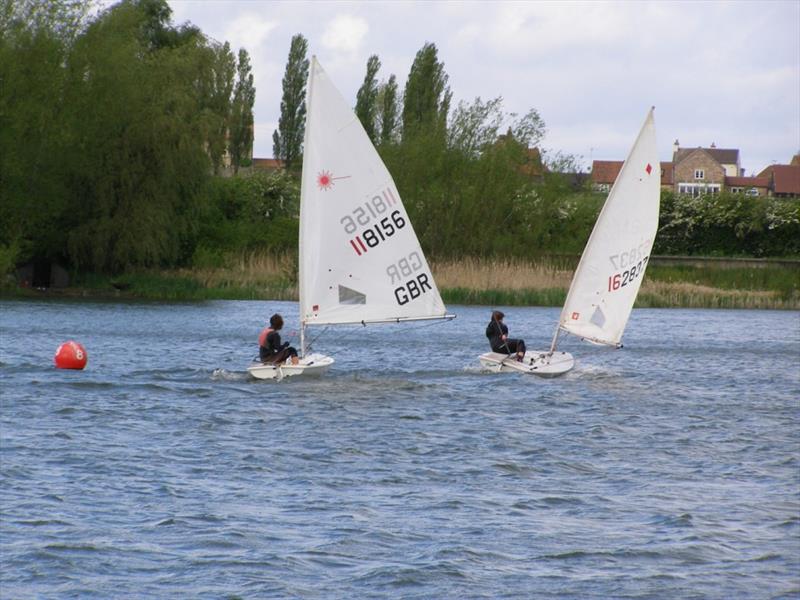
(262, 338)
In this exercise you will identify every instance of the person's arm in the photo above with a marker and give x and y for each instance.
(274, 342)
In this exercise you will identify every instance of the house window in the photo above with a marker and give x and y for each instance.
(737, 190)
(698, 189)
(751, 192)
(699, 174)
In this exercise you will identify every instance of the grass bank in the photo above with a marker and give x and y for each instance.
(544, 282)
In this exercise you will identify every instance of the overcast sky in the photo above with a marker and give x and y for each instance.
(723, 72)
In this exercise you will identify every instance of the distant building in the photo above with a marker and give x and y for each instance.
(699, 171)
(604, 174)
(268, 164)
(783, 180)
(749, 186)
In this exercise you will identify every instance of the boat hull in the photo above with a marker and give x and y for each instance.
(309, 366)
(542, 364)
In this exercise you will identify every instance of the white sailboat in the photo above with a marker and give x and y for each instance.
(360, 260)
(610, 272)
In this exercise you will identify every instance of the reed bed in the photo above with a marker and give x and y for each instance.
(545, 283)
(662, 294)
(493, 282)
(483, 275)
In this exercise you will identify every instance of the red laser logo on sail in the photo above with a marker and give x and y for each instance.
(325, 180)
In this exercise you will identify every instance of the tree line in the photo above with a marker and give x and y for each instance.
(114, 129)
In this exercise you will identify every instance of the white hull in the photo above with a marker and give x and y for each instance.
(311, 365)
(543, 364)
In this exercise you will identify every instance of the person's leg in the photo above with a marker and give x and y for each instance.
(517, 347)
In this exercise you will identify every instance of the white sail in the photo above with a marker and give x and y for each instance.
(613, 263)
(360, 260)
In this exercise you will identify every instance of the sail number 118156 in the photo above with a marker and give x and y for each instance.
(620, 280)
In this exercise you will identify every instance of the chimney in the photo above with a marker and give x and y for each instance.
(675, 147)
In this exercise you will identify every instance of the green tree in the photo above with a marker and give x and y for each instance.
(287, 140)
(388, 110)
(241, 130)
(215, 78)
(366, 98)
(426, 100)
(138, 170)
(35, 38)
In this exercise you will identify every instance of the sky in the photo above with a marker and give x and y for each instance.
(721, 72)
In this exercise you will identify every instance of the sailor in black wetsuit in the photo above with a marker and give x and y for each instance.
(497, 332)
(270, 348)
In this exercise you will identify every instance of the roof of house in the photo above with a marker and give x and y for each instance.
(795, 162)
(759, 182)
(268, 163)
(785, 178)
(724, 156)
(606, 171)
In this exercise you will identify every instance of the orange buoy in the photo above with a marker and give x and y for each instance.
(71, 355)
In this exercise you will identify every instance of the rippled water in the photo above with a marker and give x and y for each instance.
(670, 468)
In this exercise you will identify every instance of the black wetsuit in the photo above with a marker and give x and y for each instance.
(494, 330)
(274, 351)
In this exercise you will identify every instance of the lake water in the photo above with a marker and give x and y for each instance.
(667, 469)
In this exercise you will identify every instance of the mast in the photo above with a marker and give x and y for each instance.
(555, 337)
(303, 187)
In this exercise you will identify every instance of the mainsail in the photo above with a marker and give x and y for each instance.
(613, 263)
(360, 260)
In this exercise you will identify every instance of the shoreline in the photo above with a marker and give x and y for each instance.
(466, 281)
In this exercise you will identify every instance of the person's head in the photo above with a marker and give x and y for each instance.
(497, 315)
(276, 321)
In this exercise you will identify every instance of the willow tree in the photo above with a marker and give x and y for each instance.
(35, 40)
(287, 140)
(139, 166)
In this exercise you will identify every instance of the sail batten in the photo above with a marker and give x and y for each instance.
(360, 260)
(612, 266)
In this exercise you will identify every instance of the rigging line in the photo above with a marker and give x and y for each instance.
(316, 337)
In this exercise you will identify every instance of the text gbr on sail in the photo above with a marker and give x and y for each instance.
(412, 288)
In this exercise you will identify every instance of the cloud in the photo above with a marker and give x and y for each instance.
(345, 34)
(249, 30)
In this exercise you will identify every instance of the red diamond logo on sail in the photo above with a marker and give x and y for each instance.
(315, 308)
(648, 168)
(575, 316)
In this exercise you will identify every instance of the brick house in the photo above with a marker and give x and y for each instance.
(749, 186)
(267, 164)
(701, 171)
(783, 180)
(604, 174)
